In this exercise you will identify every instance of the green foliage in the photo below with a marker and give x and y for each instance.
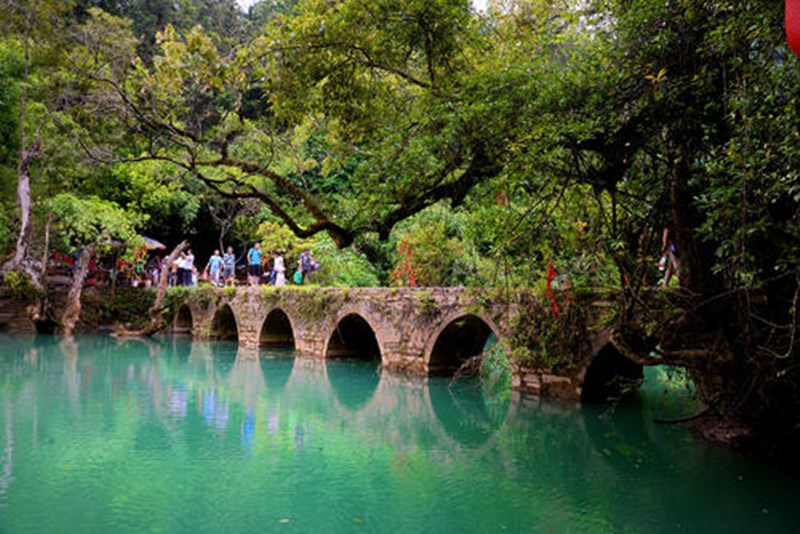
(343, 268)
(432, 248)
(540, 340)
(93, 220)
(11, 72)
(126, 305)
(20, 285)
(275, 236)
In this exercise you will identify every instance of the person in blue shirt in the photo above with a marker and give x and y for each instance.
(254, 256)
(229, 259)
(214, 268)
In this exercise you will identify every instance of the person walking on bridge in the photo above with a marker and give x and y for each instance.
(229, 260)
(254, 257)
(214, 268)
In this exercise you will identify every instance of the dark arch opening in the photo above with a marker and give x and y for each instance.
(462, 339)
(223, 326)
(183, 321)
(276, 332)
(353, 339)
(610, 376)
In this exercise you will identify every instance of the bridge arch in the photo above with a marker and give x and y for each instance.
(277, 330)
(224, 325)
(353, 337)
(184, 320)
(610, 375)
(461, 336)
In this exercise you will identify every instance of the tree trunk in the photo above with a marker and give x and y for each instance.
(73, 309)
(21, 260)
(696, 274)
(26, 156)
(41, 314)
(156, 317)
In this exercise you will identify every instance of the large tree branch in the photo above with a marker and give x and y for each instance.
(480, 167)
(340, 235)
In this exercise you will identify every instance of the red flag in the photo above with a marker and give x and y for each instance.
(793, 25)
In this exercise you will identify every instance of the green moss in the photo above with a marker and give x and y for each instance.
(127, 305)
(174, 298)
(428, 306)
(204, 296)
(317, 303)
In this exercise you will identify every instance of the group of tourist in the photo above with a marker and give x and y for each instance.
(220, 270)
(277, 272)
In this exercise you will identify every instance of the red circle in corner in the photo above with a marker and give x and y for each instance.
(793, 25)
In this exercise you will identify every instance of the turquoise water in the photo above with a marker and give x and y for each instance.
(180, 436)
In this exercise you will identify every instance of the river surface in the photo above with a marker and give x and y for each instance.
(171, 435)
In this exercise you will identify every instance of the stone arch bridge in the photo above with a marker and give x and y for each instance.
(429, 331)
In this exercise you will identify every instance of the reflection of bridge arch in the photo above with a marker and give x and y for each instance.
(353, 337)
(183, 320)
(465, 413)
(277, 330)
(400, 405)
(223, 325)
(353, 382)
(462, 336)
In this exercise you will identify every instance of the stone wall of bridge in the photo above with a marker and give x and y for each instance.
(330, 322)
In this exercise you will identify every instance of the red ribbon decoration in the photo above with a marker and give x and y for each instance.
(793, 25)
(551, 274)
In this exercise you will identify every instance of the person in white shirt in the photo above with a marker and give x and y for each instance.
(280, 269)
(188, 268)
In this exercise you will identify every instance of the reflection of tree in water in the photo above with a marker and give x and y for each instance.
(468, 413)
(69, 350)
(246, 382)
(7, 474)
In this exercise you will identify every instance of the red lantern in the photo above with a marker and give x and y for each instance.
(793, 25)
